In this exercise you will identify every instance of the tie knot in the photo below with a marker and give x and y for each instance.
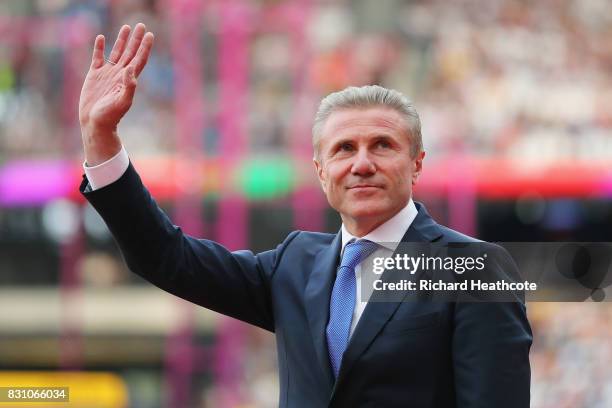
(357, 251)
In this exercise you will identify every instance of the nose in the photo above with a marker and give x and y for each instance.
(363, 165)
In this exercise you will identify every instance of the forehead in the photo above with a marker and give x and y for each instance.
(363, 121)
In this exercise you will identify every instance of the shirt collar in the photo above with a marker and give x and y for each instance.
(389, 233)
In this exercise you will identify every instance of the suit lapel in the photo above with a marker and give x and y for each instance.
(317, 298)
(376, 314)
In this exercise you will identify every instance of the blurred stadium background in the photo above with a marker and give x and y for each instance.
(516, 104)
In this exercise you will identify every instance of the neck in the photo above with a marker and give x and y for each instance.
(363, 226)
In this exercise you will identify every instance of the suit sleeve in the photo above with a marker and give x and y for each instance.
(200, 271)
(491, 345)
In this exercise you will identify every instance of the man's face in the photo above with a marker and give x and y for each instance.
(365, 167)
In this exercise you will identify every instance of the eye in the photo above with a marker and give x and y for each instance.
(345, 147)
(383, 144)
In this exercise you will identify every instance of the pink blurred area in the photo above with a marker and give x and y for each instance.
(515, 100)
(31, 183)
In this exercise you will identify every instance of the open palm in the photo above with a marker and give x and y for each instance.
(109, 86)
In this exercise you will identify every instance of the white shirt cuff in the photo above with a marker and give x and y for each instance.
(108, 172)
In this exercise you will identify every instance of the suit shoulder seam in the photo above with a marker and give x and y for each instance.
(281, 252)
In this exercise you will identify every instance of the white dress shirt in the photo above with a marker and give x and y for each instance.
(108, 172)
(387, 235)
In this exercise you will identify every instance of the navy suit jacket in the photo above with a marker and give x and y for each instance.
(401, 354)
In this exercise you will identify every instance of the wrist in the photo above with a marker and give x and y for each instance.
(99, 144)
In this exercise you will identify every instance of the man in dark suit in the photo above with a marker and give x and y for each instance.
(335, 348)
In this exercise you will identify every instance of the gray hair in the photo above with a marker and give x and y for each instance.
(366, 97)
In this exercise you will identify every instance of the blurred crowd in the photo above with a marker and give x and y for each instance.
(571, 355)
(499, 77)
(514, 78)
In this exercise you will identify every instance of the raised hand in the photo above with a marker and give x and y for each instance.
(108, 91)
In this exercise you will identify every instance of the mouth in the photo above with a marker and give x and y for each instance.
(363, 187)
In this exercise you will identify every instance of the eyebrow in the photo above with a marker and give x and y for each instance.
(383, 136)
(377, 137)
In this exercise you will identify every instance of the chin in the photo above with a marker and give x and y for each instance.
(369, 211)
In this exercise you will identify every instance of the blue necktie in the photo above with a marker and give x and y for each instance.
(342, 301)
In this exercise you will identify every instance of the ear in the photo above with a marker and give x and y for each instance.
(320, 174)
(417, 167)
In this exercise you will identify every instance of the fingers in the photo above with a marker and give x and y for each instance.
(140, 60)
(120, 43)
(133, 45)
(97, 58)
